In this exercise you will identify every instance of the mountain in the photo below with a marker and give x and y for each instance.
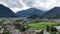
(5, 12)
(53, 13)
(34, 16)
(29, 12)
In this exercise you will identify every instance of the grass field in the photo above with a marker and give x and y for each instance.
(42, 25)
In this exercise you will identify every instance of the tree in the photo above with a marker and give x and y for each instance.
(53, 29)
(21, 26)
(47, 28)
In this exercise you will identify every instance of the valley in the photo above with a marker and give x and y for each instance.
(23, 25)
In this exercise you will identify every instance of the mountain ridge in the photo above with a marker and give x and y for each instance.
(30, 12)
(5, 12)
(53, 13)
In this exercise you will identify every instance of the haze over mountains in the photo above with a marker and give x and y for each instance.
(5, 12)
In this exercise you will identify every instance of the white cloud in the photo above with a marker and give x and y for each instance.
(47, 4)
(17, 5)
(14, 5)
(58, 3)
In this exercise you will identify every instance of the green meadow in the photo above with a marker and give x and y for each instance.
(43, 25)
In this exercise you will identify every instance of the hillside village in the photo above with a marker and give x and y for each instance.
(11, 26)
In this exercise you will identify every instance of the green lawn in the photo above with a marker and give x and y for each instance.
(42, 25)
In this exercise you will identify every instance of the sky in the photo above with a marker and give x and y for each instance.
(18, 5)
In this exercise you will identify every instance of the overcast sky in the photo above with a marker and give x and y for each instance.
(18, 5)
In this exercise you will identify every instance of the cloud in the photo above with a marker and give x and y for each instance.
(17, 5)
(45, 4)
(14, 5)
(58, 3)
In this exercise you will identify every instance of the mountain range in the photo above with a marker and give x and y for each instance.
(33, 12)
(29, 12)
(53, 13)
(5, 12)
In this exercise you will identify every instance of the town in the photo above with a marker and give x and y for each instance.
(28, 26)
